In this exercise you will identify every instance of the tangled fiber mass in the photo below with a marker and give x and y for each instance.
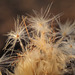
(46, 45)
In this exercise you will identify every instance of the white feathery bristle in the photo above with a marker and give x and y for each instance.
(49, 48)
(34, 62)
(66, 29)
(17, 36)
(68, 46)
(41, 22)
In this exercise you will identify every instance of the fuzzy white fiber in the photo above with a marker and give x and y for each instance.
(46, 48)
(37, 63)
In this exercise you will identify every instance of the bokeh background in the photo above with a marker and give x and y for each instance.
(9, 9)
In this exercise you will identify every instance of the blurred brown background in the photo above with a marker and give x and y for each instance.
(11, 8)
